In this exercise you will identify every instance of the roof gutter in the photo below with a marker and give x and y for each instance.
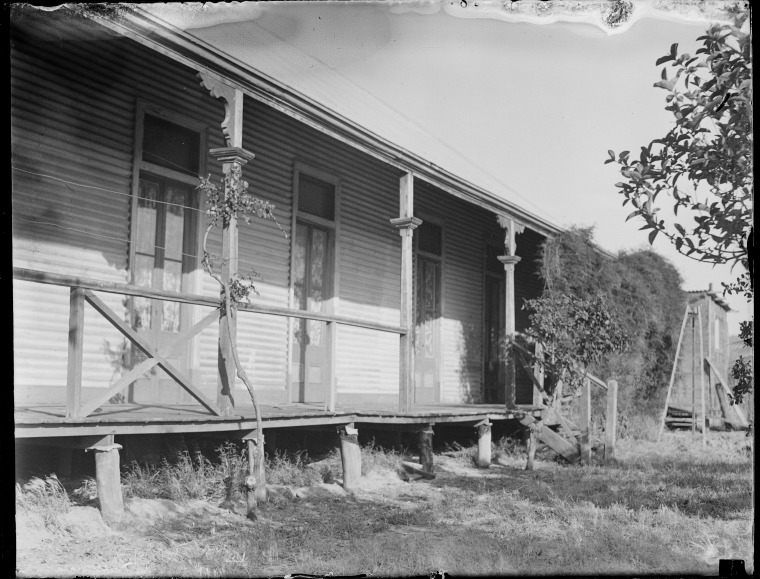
(155, 34)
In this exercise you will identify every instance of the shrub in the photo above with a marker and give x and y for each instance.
(643, 293)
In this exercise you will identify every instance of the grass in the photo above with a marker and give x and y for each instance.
(668, 508)
(193, 476)
(44, 498)
(672, 507)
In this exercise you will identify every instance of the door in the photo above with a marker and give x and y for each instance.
(427, 331)
(493, 374)
(163, 259)
(312, 286)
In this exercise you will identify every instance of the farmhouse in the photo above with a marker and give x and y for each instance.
(385, 287)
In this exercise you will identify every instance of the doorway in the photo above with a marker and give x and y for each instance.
(428, 311)
(165, 236)
(312, 283)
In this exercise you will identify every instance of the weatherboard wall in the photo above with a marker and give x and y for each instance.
(75, 90)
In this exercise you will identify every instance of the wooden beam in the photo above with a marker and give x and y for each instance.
(425, 443)
(585, 422)
(673, 374)
(76, 345)
(232, 159)
(417, 469)
(484, 445)
(331, 342)
(702, 377)
(117, 386)
(722, 381)
(146, 365)
(194, 299)
(108, 480)
(147, 348)
(553, 440)
(406, 223)
(610, 431)
(350, 455)
(176, 342)
(510, 260)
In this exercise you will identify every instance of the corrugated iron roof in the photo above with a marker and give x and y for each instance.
(715, 297)
(274, 57)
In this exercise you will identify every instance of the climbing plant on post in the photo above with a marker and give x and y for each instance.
(225, 206)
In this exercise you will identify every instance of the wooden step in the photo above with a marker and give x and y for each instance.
(553, 440)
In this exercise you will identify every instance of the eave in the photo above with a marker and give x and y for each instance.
(136, 24)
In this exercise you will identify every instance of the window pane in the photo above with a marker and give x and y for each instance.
(170, 145)
(176, 200)
(143, 276)
(172, 283)
(316, 197)
(316, 290)
(430, 238)
(299, 266)
(148, 192)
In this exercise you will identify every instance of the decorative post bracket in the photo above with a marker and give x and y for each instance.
(232, 124)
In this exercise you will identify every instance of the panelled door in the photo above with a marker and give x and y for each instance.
(427, 331)
(163, 259)
(312, 283)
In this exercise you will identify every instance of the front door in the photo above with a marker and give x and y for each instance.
(163, 259)
(312, 283)
(427, 330)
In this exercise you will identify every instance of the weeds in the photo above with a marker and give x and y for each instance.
(189, 477)
(668, 508)
(376, 457)
(292, 468)
(44, 497)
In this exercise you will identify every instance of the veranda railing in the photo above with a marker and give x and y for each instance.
(82, 291)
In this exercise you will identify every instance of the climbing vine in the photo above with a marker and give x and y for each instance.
(225, 205)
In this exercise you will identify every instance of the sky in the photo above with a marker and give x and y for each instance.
(535, 105)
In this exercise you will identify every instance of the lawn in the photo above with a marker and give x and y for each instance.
(668, 508)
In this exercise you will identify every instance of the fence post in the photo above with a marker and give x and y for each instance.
(610, 431)
(350, 455)
(484, 443)
(76, 341)
(586, 422)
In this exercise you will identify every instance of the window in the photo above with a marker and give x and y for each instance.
(170, 145)
(316, 197)
(430, 238)
(164, 219)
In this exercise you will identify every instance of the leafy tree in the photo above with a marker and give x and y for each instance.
(575, 334)
(643, 293)
(703, 165)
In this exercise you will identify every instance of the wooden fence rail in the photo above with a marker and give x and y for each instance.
(583, 449)
(81, 292)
